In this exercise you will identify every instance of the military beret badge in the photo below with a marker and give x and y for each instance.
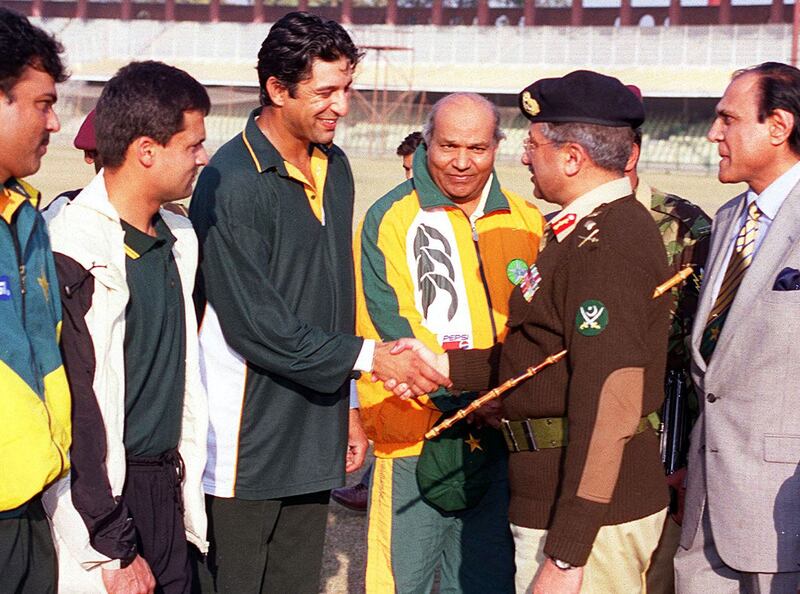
(530, 104)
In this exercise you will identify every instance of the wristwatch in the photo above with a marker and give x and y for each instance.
(562, 565)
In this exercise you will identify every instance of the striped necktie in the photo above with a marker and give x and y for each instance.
(740, 261)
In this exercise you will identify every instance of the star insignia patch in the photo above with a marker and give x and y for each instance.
(474, 443)
(42, 280)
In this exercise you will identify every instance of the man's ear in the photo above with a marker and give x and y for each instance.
(633, 160)
(143, 149)
(781, 124)
(277, 92)
(575, 158)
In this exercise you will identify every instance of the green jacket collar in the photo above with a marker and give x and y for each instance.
(430, 196)
(142, 243)
(265, 156)
(23, 189)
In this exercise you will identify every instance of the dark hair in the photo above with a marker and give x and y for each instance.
(294, 42)
(409, 144)
(23, 45)
(144, 99)
(780, 89)
(637, 136)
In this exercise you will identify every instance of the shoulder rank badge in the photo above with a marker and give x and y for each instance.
(590, 233)
(564, 223)
(592, 318)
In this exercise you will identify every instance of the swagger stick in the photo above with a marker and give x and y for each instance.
(531, 371)
(492, 394)
(673, 281)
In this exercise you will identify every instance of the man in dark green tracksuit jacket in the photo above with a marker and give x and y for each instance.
(273, 211)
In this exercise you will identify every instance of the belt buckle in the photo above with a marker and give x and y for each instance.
(528, 431)
(508, 433)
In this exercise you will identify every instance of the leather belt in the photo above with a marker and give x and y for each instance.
(532, 435)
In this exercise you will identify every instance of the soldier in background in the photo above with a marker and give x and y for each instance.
(84, 141)
(406, 151)
(686, 230)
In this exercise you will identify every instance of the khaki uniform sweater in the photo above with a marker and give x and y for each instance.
(594, 298)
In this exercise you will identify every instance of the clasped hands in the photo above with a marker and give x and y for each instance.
(408, 368)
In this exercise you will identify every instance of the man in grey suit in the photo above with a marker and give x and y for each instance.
(741, 527)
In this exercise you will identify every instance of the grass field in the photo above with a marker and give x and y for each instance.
(345, 551)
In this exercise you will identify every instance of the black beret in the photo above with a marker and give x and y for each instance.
(582, 96)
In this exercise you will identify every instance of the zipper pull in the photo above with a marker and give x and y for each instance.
(22, 277)
(474, 231)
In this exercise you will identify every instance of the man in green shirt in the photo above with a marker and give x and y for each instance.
(273, 212)
(126, 269)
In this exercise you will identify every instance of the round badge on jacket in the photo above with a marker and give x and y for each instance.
(591, 318)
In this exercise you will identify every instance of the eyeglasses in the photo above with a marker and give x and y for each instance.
(528, 144)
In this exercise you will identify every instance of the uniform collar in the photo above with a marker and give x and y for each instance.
(564, 222)
(430, 196)
(263, 153)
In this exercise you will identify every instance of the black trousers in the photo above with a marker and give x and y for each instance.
(27, 557)
(152, 493)
(268, 546)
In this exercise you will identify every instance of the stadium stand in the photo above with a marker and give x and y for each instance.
(681, 71)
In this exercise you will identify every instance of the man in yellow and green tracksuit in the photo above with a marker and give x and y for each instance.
(34, 396)
(437, 258)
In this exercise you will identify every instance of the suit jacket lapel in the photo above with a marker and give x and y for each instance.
(782, 235)
(726, 225)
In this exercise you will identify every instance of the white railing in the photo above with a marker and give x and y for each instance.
(613, 49)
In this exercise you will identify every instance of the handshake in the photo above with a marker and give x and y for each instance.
(408, 368)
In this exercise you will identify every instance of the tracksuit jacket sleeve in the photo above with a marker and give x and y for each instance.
(608, 351)
(386, 309)
(107, 519)
(257, 322)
